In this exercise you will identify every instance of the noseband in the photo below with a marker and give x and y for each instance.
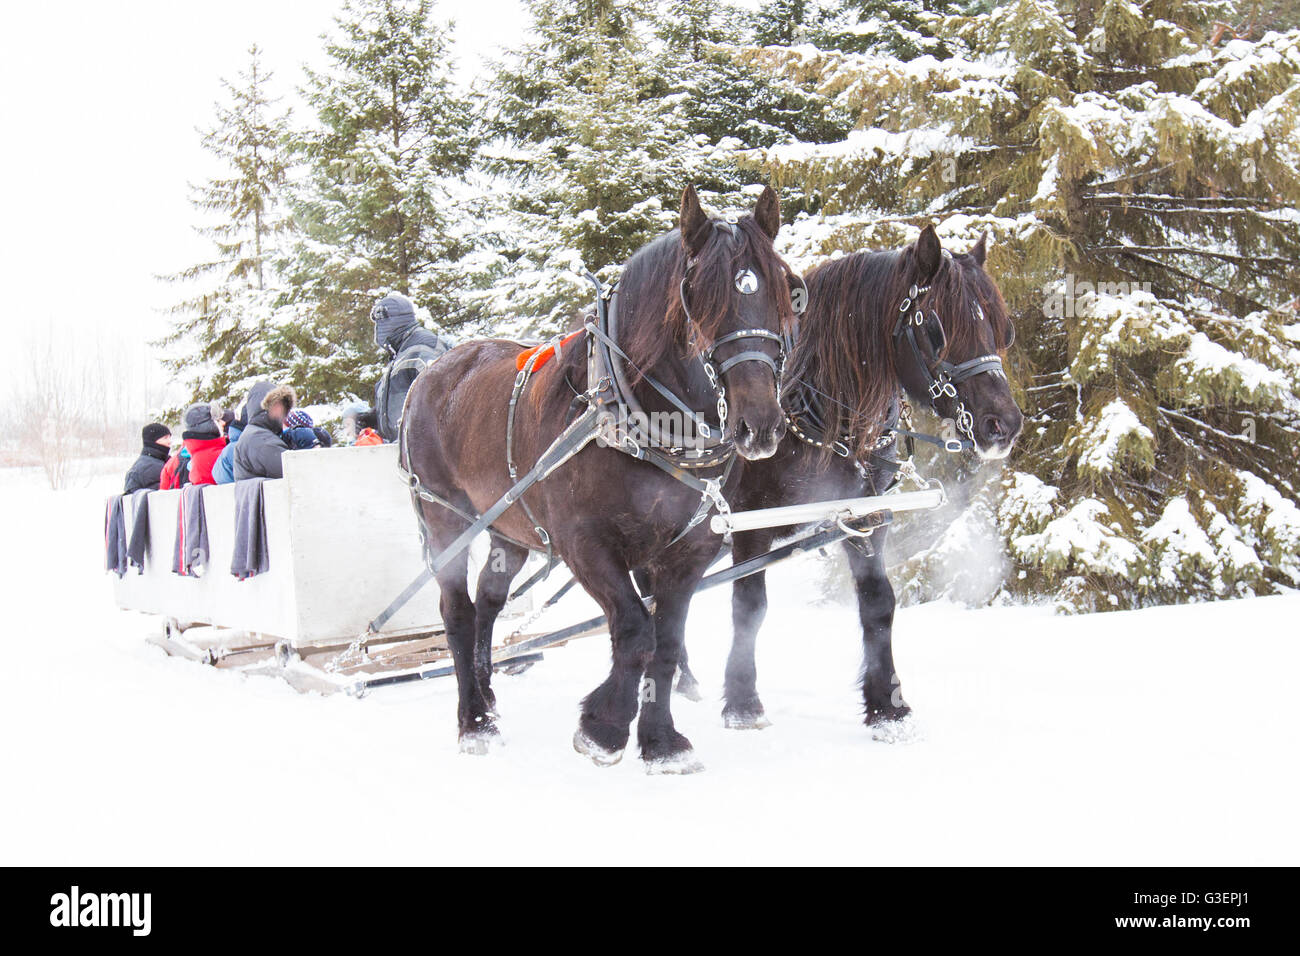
(942, 378)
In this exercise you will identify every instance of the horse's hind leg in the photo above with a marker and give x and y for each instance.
(882, 693)
(743, 710)
(473, 714)
(663, 748)
(504, 561)
(607, 712)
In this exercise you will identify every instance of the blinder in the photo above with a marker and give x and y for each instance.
(746, 283)
(940, 376)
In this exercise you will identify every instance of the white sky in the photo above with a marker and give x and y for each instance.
(98, 108)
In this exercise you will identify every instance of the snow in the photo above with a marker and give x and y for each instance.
(1180, 541)
(1165, 736)
(1115, 424)
(1081, 538)
(1207, 358)
(1027, 499)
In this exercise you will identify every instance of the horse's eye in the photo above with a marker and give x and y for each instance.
(746, 282)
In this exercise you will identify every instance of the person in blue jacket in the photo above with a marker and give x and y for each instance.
(224, 469)
(301, 432)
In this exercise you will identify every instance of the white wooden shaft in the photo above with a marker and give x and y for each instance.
(826, 510)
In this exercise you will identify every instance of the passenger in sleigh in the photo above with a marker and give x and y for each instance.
(147, 470)
(366, 429)
(203, 443)
(300, 431)
(261, 446)
(409, 347)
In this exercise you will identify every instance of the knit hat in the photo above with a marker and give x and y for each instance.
(153, 431)
(394, 317)
(298, 419)
(198, 421)
(393, 306)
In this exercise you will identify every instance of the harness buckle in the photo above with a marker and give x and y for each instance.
(942, 386)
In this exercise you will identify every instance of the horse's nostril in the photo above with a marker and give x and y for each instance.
(994, 428)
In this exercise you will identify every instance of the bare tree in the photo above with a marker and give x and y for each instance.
(77, 397)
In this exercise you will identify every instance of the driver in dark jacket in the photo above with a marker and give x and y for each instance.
(409, 347)
(261, 445)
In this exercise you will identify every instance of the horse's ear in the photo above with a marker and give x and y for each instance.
(693, 222)
(928, 255)
(767, 212)
(980, 251)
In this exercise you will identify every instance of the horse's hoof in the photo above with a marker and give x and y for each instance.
(478, 744)
(689, 688)
(903, 729)
(682, 762)
(598, 754)
(746, 721)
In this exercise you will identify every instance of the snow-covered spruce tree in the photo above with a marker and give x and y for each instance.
(215, 342)
(598, 122)
(559, 108)
(906, 29)
(381, 206)
(723, 99)
(1139, 183)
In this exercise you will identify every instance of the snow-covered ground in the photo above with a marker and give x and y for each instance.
(1167, 736)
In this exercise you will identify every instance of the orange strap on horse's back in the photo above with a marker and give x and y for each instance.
(548, 352)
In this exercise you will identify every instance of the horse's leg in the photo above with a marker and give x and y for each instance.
(607, 712)
(882, 692)
(662, 748)
(686, 684)
(743, 710)
(472, 711)
(505, 558)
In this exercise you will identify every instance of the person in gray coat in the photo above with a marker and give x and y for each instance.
(258, 451)
(409, 347)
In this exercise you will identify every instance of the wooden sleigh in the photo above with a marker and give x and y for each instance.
(342, 540)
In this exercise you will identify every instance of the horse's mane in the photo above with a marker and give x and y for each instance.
(846, 347)
(651, 321)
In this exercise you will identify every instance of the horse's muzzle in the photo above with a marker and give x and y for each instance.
(755, 443)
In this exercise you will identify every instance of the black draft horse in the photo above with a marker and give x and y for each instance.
(842, 388)
(709, 288)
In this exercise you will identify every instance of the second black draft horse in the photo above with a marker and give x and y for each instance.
(920, 321)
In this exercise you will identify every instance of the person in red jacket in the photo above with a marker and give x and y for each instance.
(367, 424)
(203, 443)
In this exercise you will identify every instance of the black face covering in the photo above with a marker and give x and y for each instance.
(390, 331)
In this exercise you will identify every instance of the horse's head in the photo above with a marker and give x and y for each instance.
(734, 307)
(951, 331)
